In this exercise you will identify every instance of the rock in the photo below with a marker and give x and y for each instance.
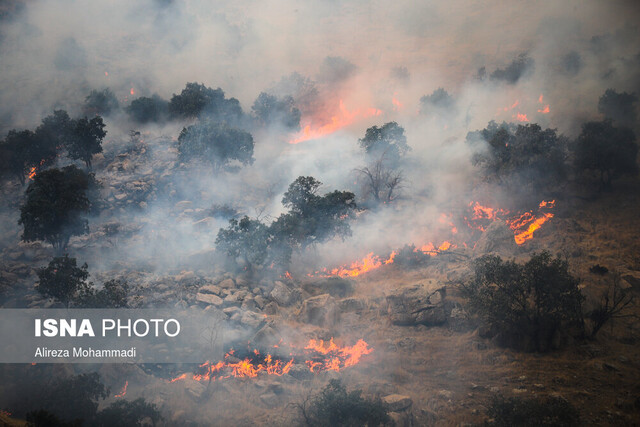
(445, 394)
(633, 279)
(334, 286)
(227, 284)
(210, 289)
(270, 399)
(411, 305)
(185, 204)
(300, 372)
(282, 294)
(498, 237)
(249, 304)
(120, 196)
(397, 402)
(321, 311)
(209, 299)
(266, 337)
(193, 388)
(270, 308)
(252, 320)
(233, 300)
(351, 304)
(260, 301)
(230, 311)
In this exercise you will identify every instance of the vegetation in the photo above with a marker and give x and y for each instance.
(215, 143)
(619, 107)
(334, 406)
(145, 109)
(527, 305)
(522, 156)
(55, 203)
(517, 411)
(124, 413)
(514, 71)
(85, 139)
(63, 280)
(311, 219)
(387, 141)
(269, 109)
(439, 101)
(380, 182)
(101, 102)
(197, 100)
(114, 294)
(609, 151)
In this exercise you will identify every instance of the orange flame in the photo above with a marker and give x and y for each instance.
(344, 118)
(368, 263)
(521, 117)
(318, 357)
(32, 172)
(544, 110)
(397, 105)
(123, 392)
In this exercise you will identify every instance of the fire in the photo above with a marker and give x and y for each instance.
(544, 110)
(123, 392)
(132, 91)
(287, 275)
(521, 117)
(431, 249)
(106, 74)
(317, 356)
(397, 105)
(344, 118)
(368, 263)
(32, 172)
(540, 99)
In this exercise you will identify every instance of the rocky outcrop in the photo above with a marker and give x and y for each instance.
(498, 238)
(417, 305)
(320, 311)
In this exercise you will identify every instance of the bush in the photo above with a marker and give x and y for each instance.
(410, 257)
(515, 411)
(100, 102)
(527, 305)
(197, 100)
(334, 406)
(125, 413)
(63, 280)
(144, 109)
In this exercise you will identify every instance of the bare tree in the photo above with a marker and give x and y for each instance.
(612, 306)
(381, 182)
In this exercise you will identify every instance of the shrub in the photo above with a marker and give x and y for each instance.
(528, 305)
(334, 406)
(515, 411)
(63, 280)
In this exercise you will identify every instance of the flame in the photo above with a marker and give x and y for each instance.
(344, 118)
(544, 110)
(431, 249)
(106, 74)
(132, 91)
(397, 105)
(521, 117)
(515, 104)
(317, 355)
(368, 263)
(32, 172)
(123, 392)
(540, 99)
(287, 275)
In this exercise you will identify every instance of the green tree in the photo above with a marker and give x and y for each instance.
(114, 294)
(125, 413)
(145, 109)
(215, 143)
(85, 139)
(620, 107)
(523, 156)
(609, 151)
(100, 102)
(269, 109)
(526, 304)
(439, 101)
(55, 203)
(63, 280)
(335, 406)
(197, 100)
(388, 141)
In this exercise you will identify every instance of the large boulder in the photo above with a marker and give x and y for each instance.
(498, 237)
(321, 311)
(334, 286)
(283, 295)
(209, 299)
(417, 305)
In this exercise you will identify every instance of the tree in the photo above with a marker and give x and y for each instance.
(620, 107)
(269, 109)
(196, 99)
(86, 139)
(55, 202)
(526, 304)
(114, 294)
(18, 150)
(388, 141)
(334, 406)
(125, 413)
(607, 150)
(313, 218)
(63, 280)
(215, 143)
(515, 70)
(381, 182)
(439, 102)
(145, 109)
(520, 156)
(100, 102)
